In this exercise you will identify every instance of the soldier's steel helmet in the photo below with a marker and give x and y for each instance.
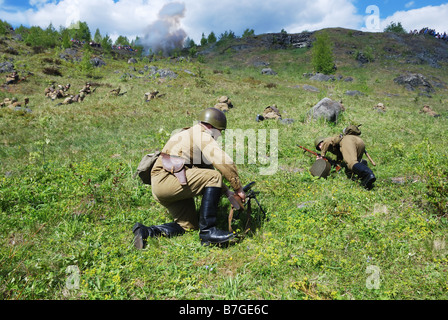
(214, 117)
(317, 142)
(321, 168)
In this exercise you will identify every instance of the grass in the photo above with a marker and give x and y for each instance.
(68, 199)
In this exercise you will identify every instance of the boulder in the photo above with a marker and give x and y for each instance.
(6, 67)
(310, 88)
(326, 109)
(97, 62)
(413, 81)
(354, 93)
(268, 71)
(322, 77)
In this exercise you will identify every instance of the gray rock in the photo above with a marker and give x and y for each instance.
(413, 81)
(310, 88)
(322, 77)
(166, 73)
(286, 121)
(6, 67)
(268, 71)
(260, 64)
(354, 93)
(97, 62)
(161, 73)
(326, 109)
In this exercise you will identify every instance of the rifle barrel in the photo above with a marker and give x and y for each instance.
(332, 162)
(248, 186)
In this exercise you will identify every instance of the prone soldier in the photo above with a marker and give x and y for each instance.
(12, 78)
(349, 148)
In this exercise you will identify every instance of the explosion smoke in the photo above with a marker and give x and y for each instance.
(165, 33)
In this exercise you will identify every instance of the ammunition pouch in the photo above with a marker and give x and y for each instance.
(176, 166)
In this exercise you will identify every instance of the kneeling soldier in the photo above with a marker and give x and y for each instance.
(186, 169)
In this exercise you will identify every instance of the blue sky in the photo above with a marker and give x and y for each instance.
(139, 17)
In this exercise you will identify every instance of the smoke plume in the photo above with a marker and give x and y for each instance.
(165, 33)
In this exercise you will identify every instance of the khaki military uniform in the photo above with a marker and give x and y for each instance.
(349, 148)
(15, 103)
(49, 90)
(68, 100)
(272, 112)
(115, 92)
(202, 156)
(6, 102)
(56, 94)
(429, 111)
(79, 97)
(86, 89)
(151, 95)
(224, 104)
(12, 78)
(380, 107)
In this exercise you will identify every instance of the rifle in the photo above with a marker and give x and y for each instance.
(26, 77)
(239, 206)
(333, 163)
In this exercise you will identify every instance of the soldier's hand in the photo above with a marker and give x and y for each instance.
(241, 194)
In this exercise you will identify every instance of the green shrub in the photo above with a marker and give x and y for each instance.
(323, 60)
(434, 171)
(395, 27)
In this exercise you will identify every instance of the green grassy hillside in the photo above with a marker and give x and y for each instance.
(69, 201)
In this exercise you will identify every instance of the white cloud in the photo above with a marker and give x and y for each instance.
(409, 4)
(124, 17)
(433, 17)
(132, 17)
(38, 3)
(268, 16)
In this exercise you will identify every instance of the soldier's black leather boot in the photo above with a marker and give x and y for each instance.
(140, 235)
(208, 233)
(365, 174)
(141, 232)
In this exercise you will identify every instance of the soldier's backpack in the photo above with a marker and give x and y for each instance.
(352, 130)
(145, 166)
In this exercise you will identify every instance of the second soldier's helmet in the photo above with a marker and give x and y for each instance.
(214, 117)
(317, 142)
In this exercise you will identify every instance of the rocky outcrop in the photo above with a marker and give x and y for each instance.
(414, 81)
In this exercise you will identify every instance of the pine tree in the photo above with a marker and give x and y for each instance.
(211, 37)
(203, 40)
(97, 37)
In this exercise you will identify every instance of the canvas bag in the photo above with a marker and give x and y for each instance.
(352, 130)
(145, 166)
